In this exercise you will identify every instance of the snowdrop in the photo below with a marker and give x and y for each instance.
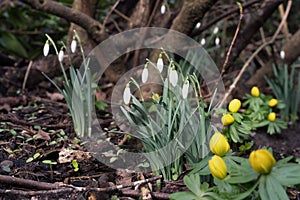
(61, 55)
(216, 30)
(198, 25)
(163, 9)
(73, 45)
(127, 94)
(202, 42)
(160, 63)
(217, 41)
(185, 89)
(173, 76)
(46, 48)
(282, 54)
(145, 74)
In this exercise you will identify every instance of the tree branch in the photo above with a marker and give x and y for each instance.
(92, 26)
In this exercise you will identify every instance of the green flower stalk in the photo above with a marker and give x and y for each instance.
(234, 105)
(227, 119)
(219, 145)
(262, 161)
(217, 167)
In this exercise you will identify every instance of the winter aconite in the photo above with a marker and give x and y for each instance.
(234, 105)
(218, 144)
(273, 102)
(255, 91)
(262, 161)
(272, 117)
(217, 167)
(227, 119)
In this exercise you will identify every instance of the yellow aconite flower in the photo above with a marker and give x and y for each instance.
(234, 105)
(217, 167)
(227, 119)
(272, 117)
(155, 97)
(218, 144)
(262, 161)
(273, 102)
(255, 91)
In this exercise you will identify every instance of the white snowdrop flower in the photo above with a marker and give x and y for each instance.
(216, 30)
(202, 42)
(61, 55)
(145, 74)
(173, 77)
(46, 48)
(163, 9)
(73, 45)
(185, 89)
(198, 25)
(127, 94)
(217, 41)
(282, 54)
(160, 63)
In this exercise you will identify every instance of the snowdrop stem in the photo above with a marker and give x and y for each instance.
(138, 87)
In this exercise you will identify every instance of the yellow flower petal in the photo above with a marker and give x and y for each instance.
(273, 102)
(217, 167)
(272, 117)
(262, 161)
(218, 144)
(234, 105)
(227, 119)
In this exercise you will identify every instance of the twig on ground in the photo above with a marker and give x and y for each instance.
(26, 75)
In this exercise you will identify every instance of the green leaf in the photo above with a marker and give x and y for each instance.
(10, 42)
(183, 196)
(287, 174)
(192, 181)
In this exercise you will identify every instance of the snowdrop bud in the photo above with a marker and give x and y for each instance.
(282, 54)
(61, 55)
(163, 9)
(202, 41)
(173, 77)
(145, 74)
(73, 46)
(217, 41)
(160, 63)
(185, 89)
(216, 30)
(46, 48)
(127, 94)
(198, 25)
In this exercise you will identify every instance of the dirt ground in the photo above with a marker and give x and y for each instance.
(38, 122)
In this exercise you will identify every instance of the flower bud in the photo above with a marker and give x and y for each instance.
(145, 74)
(227, 119)
(163, 9)
(234, 105)
(185, 89)
(255, 91)
(218, 144)
(198, 25)
(155, 97)
(262, 161)
(272, 117)
(173, 76)
(282, 54)
(216, 30)
(217, 167)
(273, 102)
(160, 63)
(202, 42)
(217, 41)
(73, 45)
(61, 55)
(46, 48)
(127, 94)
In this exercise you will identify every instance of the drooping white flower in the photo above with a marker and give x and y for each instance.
(216, 30)
(202, 41)
(198, 25)
(46, 48)
(61, 55)
(145, 74)
(217, 41)
(160, 63)
(127, 94)
(163, 9)
(282, 54)
(73, 45)
(173, 77)
(185, 89)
